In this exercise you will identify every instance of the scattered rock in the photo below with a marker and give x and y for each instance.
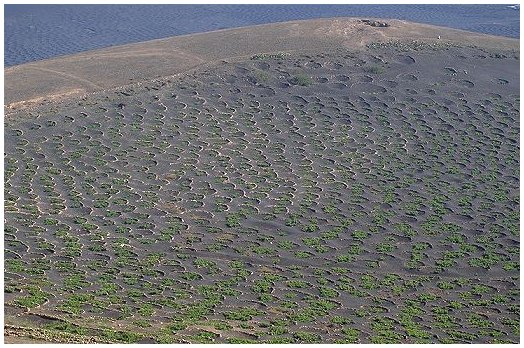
(375, 23)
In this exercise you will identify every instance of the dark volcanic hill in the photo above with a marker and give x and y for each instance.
(353, 193)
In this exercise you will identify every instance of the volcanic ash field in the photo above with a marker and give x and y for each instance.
(349, 196)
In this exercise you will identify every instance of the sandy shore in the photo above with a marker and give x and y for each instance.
(45, 81)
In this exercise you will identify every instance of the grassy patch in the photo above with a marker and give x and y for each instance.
(35, 298)
(301, 80)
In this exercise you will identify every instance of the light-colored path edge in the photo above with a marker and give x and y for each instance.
(46, 81)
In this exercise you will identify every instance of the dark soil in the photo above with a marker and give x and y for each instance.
(346, 196)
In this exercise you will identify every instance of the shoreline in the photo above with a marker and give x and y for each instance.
(42, 82)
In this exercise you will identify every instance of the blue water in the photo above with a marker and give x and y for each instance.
(35, 32)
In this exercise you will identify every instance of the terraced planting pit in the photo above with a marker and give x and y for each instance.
(345, 196)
